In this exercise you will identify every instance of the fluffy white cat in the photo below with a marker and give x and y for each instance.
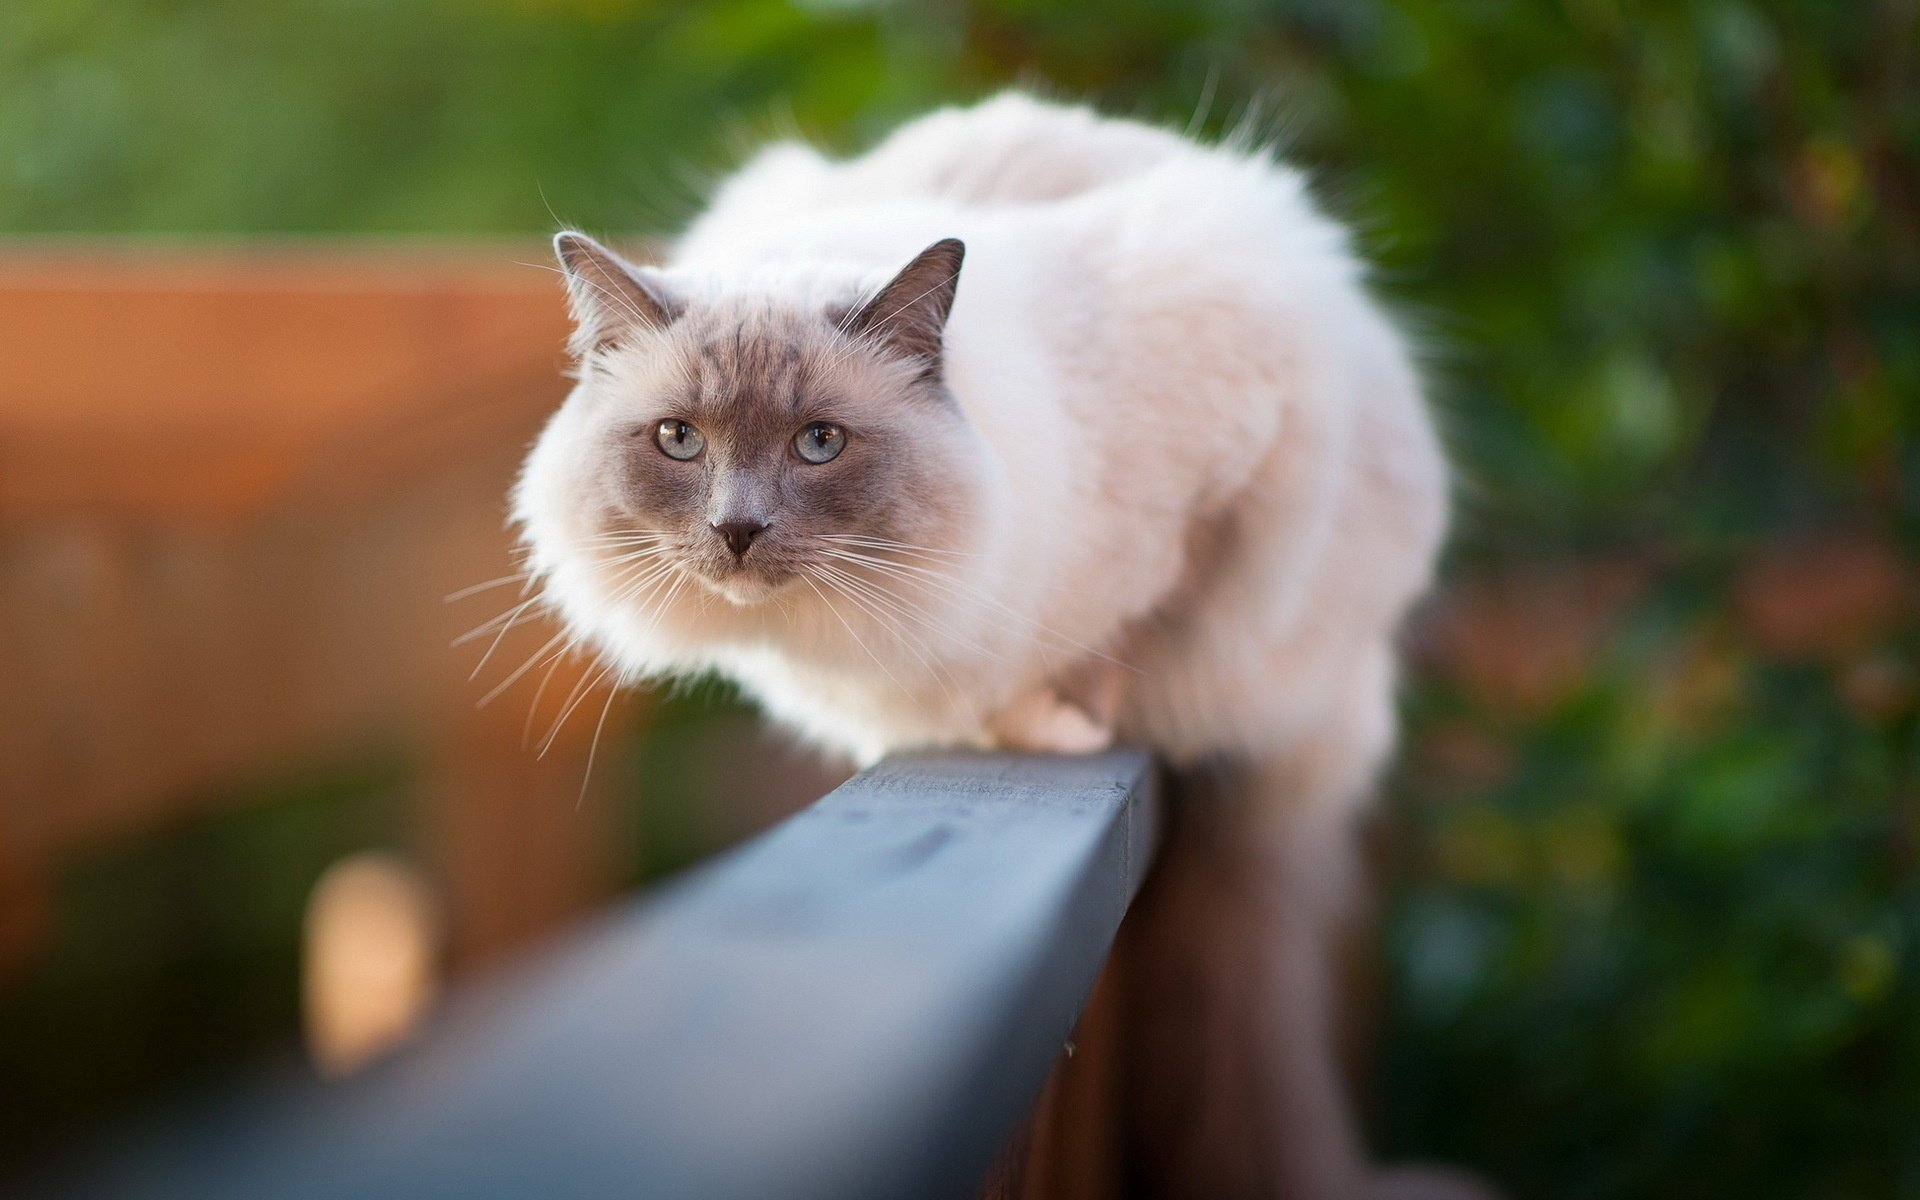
(1027, 428)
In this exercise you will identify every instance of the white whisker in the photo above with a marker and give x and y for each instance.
(487, 626)
(931, 579)
(917, 613)
(593, 747)
(807, 577)
(916, 646)
(574, 698)
(877, 543)
(581, 691)
(511, 679)
(474, 589)
(546, 681)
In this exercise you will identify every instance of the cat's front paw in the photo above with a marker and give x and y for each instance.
(1041, 722)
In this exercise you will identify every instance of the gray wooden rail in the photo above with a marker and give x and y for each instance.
(860, 1003)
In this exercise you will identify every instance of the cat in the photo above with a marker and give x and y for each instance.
(1029, 428)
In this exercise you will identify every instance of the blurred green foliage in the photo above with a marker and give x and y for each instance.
(1655, 929)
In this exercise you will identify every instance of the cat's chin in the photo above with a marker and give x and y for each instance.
(746, 591)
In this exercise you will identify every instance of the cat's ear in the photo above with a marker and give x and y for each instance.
(610, 296)
(910, 313)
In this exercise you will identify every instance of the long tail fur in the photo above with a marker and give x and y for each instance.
(1230, 1000)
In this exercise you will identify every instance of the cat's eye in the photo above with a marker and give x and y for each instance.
(820, 442)
(678, 440)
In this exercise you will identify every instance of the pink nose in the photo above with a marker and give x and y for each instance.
(739, 535)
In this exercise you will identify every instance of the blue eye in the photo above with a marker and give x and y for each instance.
(819, 442)
(678, 440)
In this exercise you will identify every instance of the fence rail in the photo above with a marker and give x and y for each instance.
(862, 1002)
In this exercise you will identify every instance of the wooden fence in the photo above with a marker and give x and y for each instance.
(235, 485)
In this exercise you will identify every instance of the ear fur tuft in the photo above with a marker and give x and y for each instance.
(909, 314)
(610, 296)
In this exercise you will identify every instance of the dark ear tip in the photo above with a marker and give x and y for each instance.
(951, 246)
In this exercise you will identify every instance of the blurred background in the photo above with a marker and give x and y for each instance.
(273, 331)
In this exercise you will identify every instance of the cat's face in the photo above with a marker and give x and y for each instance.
(746, 443)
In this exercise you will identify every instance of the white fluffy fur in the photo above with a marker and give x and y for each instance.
(1159, 345)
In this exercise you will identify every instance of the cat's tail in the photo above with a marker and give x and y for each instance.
(1236, 1087)
(1240, 983)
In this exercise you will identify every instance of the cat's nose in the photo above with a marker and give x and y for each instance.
(739, 535)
